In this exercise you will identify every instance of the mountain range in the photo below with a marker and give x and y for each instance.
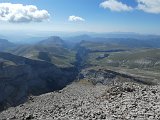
(51, 64)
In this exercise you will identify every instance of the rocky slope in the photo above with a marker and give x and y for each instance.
(80, 101)
(105, 76)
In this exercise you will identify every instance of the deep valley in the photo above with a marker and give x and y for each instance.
(91, 78)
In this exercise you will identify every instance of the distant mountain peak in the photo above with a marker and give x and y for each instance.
(4, 44)
(53, 40)
(3, 40)
(54, 37)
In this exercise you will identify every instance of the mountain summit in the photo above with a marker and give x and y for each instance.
(52, 41)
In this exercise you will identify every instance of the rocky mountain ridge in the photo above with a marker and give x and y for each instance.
(33, 86)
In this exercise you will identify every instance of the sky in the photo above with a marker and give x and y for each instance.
(139, 16)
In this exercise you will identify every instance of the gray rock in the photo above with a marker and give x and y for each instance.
(80, 101)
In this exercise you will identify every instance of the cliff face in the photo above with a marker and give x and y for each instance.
(104, 76)
(21, 77)
(81, 57)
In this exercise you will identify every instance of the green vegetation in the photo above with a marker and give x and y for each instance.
(56, 54)
(136, 61)
(147, 59)
(142, 59)
(101, 45)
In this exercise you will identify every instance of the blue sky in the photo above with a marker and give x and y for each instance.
(88, 15)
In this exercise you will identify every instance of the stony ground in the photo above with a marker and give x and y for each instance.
(81, 101)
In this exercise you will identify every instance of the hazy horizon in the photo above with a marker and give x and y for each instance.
(100, 16)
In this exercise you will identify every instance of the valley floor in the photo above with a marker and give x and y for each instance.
(84, 101)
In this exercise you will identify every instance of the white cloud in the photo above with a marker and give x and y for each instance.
(115, 5)
(75, 18)
(16, 13)
(149, 6)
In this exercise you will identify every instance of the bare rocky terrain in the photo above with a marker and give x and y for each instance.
(50, 81)
(84, 101)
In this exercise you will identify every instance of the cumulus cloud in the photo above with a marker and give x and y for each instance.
(75, 18)
(17, 13)
(149, 6)
(115, 5)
